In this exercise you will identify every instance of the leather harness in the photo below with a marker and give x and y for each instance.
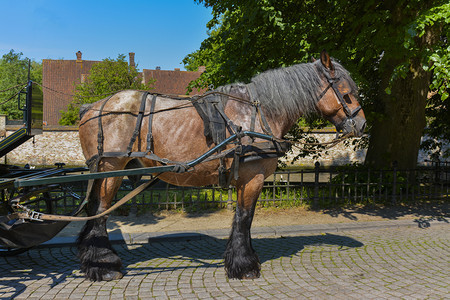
(240, 153)
(216, 122)
(211, 108)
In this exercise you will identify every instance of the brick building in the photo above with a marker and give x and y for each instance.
(61, 76)
(171, 82)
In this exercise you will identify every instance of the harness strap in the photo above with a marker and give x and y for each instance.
(254, 112)
(150, 122)
(181, 166)
(264, 124)
(129, 153)
(232, 128)
(100, 128)
(93, 168)
(137, 129)
(217, 106)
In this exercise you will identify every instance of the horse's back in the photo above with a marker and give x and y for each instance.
(174, 122)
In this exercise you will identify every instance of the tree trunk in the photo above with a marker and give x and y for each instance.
(396, 136)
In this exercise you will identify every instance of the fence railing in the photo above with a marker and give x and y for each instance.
(324, 187)
(317, 187)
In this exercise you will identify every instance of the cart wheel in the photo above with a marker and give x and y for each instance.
(5, 251)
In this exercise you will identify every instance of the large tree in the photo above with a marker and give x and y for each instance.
(105, 78)
(390, 47)
(14, 72)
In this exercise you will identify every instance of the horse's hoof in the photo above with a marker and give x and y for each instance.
(112, 275)
(251, 275)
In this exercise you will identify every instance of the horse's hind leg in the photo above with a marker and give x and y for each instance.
(240, 258)
(98, 259)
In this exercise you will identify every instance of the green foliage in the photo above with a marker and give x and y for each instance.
(71, 115)
(184, 199)
(359, 184)
(436, 22)
(441, 71)
(105, 78)
(377, 41)
(282, 197)
(14, 71)
(247, 37)
(438, 106)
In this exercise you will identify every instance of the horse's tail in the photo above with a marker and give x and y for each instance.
(84, 108)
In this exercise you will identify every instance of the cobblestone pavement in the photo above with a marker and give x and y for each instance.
(375, 263)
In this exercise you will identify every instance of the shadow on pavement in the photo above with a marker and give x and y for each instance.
(23, 270)
(433, 210)
(56, 264)
(206, 251)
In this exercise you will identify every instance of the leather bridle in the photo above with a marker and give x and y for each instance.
(348, 121)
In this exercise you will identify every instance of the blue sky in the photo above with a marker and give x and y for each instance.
(161, 33)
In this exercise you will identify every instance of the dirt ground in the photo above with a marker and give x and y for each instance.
(167, 221)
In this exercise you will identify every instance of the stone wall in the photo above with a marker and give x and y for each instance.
(339, 154)
(61, 144)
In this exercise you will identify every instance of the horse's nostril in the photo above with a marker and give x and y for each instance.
(363, 127)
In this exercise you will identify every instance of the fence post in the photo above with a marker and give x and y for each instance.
(230, 198)
(437, 172)
(316, 184)
(394, 183)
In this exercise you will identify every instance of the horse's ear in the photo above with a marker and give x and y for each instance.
(326, 60)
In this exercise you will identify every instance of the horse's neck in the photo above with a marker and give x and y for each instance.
(280, 126)
(279, 123)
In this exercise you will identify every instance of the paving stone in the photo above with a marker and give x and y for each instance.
(375, 263)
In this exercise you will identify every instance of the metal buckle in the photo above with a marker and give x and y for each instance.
(31, 214)
(35, 216)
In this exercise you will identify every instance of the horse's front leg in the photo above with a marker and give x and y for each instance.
(98, 259)
(241, 260)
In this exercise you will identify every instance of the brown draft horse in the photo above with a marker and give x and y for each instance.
(284, 94)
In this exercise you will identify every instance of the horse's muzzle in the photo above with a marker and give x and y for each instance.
(353, 126)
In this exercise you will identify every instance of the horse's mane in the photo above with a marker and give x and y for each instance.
(291, 91)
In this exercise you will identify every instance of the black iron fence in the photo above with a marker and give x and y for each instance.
(317, 187)
(342, 186)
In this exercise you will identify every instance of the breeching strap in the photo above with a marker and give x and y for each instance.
(129, 152)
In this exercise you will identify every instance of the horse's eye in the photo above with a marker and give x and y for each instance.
(347, 99)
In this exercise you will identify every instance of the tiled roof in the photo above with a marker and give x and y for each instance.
(172, 82)
(63, 75)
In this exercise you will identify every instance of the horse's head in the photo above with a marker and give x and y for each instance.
(338, 100)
